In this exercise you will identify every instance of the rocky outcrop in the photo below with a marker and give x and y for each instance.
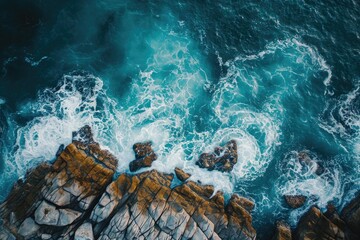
(295, 201)
(351, 216)
(329, 225)
(222, 159)
(77, 197)
(283, 231)
(56, 198)
(181, 175)
(80, 196)
(315, 225)
(144, 156)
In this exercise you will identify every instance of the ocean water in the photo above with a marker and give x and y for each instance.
(281, 78)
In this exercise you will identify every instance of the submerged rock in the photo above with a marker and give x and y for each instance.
(295, 201)
(144, 156)
(222, 159)
(77, 198)
(306, 160)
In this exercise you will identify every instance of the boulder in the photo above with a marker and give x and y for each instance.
(222, 159)
(144, 156)
(181, 175)
(295, 201)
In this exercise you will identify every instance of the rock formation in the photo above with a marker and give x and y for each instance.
(80, 196)
(283, 231)
(181, 175)
(317, 225)
(222, 159)
(77, 197)
(314, 225)
(144, 156)
(351, 216)
(295, 201)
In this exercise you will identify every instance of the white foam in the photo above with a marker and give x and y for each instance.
(300, 178)
(341, 119)
(2, 101)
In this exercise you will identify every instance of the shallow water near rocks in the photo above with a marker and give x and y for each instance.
(279, 78)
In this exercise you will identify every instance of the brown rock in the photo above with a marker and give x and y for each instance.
(59, 194)
(243, 202)
(24, 194)
(144, 156)
(295, 201)
(223, 159)
(351, 215)
(153, 210)
(75, 198)
(283, 231)
(181, 175)
(314, 225)
(333, 216)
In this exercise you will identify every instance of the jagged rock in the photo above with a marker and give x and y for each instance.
(151, 209)
(23, 195)
(295, 201)
(76, 198)
(84, 232)
(283, 231)
(243, 202)
(351, 216)
(84, 135)
(314, 225)
(181, 175)
(334, 217)
(223, 159)
(144, 156)
(60, 194)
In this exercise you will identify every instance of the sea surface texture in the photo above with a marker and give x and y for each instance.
(282, 78)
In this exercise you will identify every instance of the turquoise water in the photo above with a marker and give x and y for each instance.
(279, 78)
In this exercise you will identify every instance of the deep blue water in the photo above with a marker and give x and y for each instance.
(282, 78)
